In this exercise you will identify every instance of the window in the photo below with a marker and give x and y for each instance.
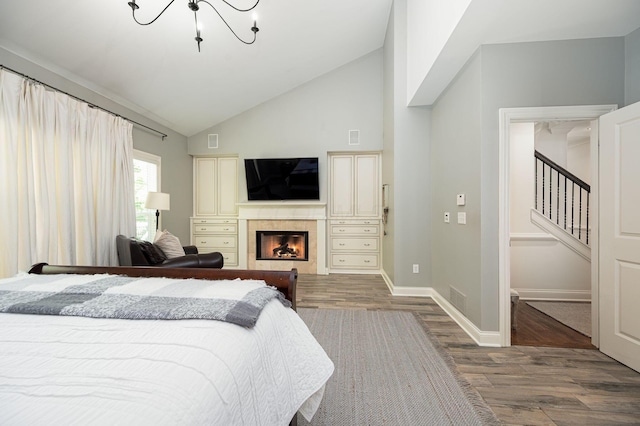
(146, 169)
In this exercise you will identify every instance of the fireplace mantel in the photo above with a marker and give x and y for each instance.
(284, 211)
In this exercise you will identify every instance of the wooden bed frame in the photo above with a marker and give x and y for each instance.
(284, 281)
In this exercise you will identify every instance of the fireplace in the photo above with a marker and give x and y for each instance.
(282, 245)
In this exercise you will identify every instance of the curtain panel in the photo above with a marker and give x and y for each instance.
(66, 179)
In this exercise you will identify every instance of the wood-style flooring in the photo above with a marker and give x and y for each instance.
(538, 329)
(523, 385)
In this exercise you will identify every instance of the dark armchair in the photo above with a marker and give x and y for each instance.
(134, 252)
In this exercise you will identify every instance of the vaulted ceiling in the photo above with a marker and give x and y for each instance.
(158, 72)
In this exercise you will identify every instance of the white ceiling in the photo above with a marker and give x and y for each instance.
(157, 71)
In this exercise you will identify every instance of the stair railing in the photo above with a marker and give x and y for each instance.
(562, 197)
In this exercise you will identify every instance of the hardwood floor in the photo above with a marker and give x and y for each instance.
(537, 329)
(523, 385)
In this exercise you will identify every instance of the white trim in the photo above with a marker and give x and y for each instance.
(387, 280)
(522, 236)
(554, 294)
(506, 117)
(482, 338)
(570, 242)
(413, 291)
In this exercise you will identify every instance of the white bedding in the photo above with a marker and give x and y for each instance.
(75, 370)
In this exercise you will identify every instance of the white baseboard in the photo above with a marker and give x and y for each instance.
(482, 338)
(554, 294)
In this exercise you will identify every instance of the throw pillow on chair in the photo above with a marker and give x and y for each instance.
(169, 244)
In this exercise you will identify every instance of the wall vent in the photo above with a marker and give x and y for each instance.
(213, 141)
(354, 137)
(458, 299)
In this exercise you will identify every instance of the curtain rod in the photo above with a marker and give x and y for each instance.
(164, 135)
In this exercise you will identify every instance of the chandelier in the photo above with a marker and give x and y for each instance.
(194, 5)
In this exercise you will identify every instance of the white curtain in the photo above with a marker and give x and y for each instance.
(66, 179)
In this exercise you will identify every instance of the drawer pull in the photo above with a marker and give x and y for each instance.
(341, 230)
(341, 260)
(203, 242)
(226, 229)
(367, 245)
(341, 244)
(226, 243)
(367, 230)
(367, 261)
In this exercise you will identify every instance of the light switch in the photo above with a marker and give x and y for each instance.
(460, 200)
(446, 217)
(462, 218)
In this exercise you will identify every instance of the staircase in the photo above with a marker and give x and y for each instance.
(562, 205)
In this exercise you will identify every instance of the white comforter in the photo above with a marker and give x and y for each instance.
(86, 371)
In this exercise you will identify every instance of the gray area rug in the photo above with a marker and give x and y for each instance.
(576, 315)
(389, 372)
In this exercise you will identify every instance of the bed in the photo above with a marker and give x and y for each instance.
(68, 357)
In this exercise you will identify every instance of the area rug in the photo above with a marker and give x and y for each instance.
(576, 315)
(389, 371)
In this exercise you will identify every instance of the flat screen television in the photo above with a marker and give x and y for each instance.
(282, 178)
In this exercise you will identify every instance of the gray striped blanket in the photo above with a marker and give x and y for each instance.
(110, 296)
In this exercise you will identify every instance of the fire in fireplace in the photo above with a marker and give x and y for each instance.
(282, 245)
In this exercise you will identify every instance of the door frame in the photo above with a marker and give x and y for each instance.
(560, 113)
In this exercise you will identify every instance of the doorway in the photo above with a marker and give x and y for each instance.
(550, 256)
(509, 117)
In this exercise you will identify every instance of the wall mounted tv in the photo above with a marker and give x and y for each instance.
(282, 178)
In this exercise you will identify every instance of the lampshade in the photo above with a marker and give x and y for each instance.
(157, 201)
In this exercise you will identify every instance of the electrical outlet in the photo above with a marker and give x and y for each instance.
(461, 200)
(447, 217)
(416, 268)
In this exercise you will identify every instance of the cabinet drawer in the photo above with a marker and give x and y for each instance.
(218, 242)
(354, 261)
(210, 221)
(364, 244)
(230, 258)
(354, 230)
(217, 228)
(353, 222)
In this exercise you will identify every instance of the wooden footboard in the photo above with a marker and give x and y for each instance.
(284, 281)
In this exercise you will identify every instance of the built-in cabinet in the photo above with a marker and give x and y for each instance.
(354, 212)
(214, 225)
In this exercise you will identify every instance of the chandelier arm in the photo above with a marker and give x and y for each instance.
(227, 24)
(154, 19)
(232, 6)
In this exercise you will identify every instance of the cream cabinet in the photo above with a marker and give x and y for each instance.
(215, 186)
(221, 235)
(355, 224)
(214, 225)
(354, 185)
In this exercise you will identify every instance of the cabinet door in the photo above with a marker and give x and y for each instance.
(367, 187)
(227, 186)
(342, 185)
(205, 183)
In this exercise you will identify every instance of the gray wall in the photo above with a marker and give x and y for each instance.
(632, 67)
(456, 168)
(308, 121)
(408, 241)
(574, 72)
(176, 163)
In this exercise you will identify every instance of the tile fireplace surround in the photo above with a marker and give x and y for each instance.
(282, 216)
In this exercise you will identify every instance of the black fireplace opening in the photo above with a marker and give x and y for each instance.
(282, 245)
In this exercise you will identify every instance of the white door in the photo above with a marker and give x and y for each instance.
(619, 248)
